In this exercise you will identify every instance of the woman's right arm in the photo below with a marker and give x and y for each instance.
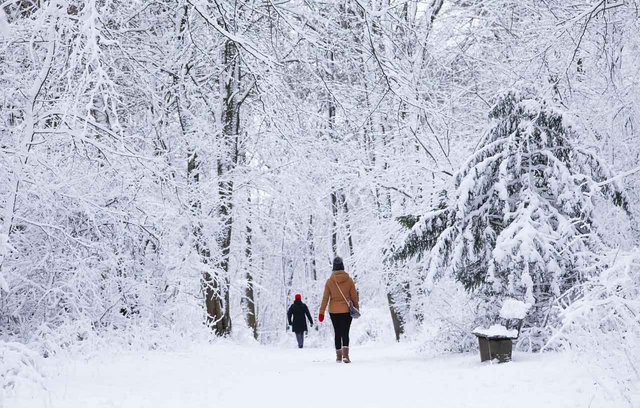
(325, 298)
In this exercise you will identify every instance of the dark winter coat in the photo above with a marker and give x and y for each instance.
(296, 316)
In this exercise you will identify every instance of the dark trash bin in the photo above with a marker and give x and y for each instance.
(495, 348)
(496, 343)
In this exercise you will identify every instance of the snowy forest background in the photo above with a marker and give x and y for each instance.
(174, 169)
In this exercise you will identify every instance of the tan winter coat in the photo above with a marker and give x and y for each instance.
(333, 297)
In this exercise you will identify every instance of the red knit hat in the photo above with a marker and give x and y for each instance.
(298, 296)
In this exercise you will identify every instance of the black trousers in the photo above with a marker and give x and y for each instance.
(341, 325)
(300, 338)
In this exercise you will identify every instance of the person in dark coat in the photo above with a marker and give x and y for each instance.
(296, 317)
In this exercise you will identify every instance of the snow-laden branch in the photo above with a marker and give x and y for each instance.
(618, 177)
(241, 42)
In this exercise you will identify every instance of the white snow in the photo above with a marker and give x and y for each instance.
(514, 309)
(530, 106)
(496, 330)
(231, 376)
(17, 363)
(4, 25)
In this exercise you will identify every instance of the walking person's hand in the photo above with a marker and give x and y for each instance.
(321, 317)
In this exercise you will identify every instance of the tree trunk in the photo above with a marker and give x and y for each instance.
(334, 194)
(226, 164)
(252, 318)
(249, 295)
(398, 324)
(385, 207)
(312, 250)
(345, 205)
(20, 159)
(334, 224)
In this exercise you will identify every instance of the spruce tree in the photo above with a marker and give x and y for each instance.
(519, 223)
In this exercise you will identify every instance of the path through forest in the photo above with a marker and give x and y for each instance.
(233, 376)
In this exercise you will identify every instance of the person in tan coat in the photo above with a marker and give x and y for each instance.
(339, 291)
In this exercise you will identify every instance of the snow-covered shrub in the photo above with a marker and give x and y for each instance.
(603, 324)
(18, 364)
(519, 222)
(449, 315)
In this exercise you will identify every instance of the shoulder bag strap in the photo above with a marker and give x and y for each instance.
(345, 299)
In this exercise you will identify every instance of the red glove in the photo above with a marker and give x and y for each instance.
(321, 317)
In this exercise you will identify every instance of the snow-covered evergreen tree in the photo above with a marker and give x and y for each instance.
(520, 221)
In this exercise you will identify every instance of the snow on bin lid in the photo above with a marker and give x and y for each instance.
(514, 309)
(496, 331)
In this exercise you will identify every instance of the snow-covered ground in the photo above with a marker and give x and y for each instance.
(228, 375)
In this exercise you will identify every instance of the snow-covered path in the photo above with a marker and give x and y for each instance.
(226, 375)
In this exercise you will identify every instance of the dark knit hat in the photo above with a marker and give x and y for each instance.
(298, 296)
(337, 264)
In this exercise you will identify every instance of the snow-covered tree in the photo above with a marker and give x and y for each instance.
(520, 221)
(188, 162)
